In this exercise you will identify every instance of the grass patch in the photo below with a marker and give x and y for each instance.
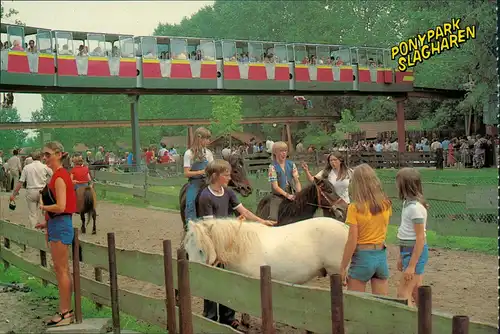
(49, 296)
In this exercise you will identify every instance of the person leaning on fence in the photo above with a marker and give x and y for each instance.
(368, 217)
(338, 174)
(413, 250)
(196, 159)
(284, 178)
(36, 175)
(59, 203)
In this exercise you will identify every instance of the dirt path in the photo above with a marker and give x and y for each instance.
(463, 282)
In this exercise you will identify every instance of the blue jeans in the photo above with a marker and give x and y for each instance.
(406, 252)
(192, 190)
(60, 228)
(368, 264)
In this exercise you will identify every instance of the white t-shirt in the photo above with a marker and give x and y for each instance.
(188, 157)
(341, 186)
(269, 146)
(36, 175)
(413, 213)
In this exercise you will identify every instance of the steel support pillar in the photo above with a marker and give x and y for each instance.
(289, 138)
(400, 121)
(189, 136)
(134, 123)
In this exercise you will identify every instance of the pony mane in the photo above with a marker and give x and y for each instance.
(302, 200)
(232, 239)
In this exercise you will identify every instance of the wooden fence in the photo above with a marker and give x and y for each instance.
(309, 308)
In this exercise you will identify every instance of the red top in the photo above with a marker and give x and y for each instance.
(149, 156)
(70, 190)
(80, 173)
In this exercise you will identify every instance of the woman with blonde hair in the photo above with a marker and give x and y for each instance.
(413, 250)
(59, 226)
(284, 178)
(338, 174)
(196, 159)
(367, 216)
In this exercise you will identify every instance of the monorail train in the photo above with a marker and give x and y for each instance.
(44, 57)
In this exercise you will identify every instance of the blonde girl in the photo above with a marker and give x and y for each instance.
(367, 216)
(413, 250)
(284, 178)
(196, 159)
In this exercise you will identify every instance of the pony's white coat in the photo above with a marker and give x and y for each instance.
(296, 252)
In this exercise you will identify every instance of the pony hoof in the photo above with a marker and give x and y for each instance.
(94, 232)
(83, 231)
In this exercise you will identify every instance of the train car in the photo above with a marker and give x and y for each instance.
(95, 60)
(322, 67)
(375, 71)
(27, 56)
(255, 65)
(179, 63)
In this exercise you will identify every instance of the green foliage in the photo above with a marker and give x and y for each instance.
(226, 115)
(10, 139)
(363, 23)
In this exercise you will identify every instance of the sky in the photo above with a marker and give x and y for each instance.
(139, 18)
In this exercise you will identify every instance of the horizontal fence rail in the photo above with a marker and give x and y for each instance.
(304, 307)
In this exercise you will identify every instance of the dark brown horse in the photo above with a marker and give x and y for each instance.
(86, 204)
(319, 194)
(239, 182)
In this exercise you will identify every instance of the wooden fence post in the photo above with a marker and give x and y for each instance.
(424, 310)
(6, 244)
(113, 283)
(185, 313)
(181, 255)
(266, 300)
(460, 324)
(76, 277)
(169, 286)
(98, 278)
(337, 304)
(43, 263)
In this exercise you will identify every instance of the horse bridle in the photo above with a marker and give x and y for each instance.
(321, 194)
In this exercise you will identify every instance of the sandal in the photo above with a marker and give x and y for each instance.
(66, 318)
(235, 324)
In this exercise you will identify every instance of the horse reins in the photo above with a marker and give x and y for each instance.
(321, 194)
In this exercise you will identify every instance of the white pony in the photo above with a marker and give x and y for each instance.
(296, 252)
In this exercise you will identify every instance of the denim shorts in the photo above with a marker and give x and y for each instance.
(406, 252)
(81, 185)
(60, 228)
(368, 264)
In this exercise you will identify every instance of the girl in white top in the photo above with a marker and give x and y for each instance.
(336, 172)
(414, 253)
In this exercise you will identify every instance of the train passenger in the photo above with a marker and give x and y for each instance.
(413, 250)
(196, 159)
(59, 208)
(284, 178)
(368, 217)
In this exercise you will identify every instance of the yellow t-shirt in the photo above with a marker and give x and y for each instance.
(372, 229)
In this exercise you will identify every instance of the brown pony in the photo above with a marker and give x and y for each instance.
(319, 194)
(86, 204)
(239, 182)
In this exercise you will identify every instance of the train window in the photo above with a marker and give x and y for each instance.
(229, 50)
(64, 43)
(379, 59)
(388, 62)
(289, 52)
(280, 53)
(255, 52)
(362, 58)
(342, 56)
(371, 56)
(148, 47)
(300, 54)
(354, 55)
(127, 46)
(206, 50)
(96, 44)
(16, 38)
(179, 49)
(323, 54)
(44, 41)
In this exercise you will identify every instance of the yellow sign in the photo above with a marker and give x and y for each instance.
(444, 37)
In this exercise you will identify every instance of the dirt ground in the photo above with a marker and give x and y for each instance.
(462, 282)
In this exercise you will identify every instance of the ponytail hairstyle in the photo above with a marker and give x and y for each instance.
(197, 148)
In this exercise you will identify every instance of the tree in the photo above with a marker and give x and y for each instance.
(226, 115)
(346, 126)
(10, 139)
